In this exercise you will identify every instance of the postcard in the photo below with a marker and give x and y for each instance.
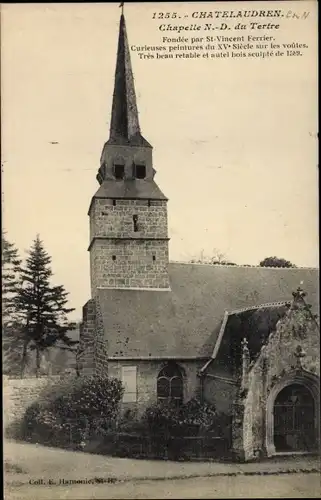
(160, 274)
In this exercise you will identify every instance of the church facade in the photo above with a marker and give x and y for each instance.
(173, 331)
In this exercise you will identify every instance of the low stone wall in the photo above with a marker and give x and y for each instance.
(18, 394)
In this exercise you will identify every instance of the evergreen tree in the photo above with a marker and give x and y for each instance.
(11, 327)
(42, 305)
(10, 278)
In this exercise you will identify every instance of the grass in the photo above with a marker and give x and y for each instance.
(11, 467)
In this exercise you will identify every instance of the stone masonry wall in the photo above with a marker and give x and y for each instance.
(85, 356)
(107, 220)
(101, 345)
(133, 265)
(278, 361)
(254, 409)
(19, 394)
(141, 260)
(147, 372)
(221, 393)
(220, 387)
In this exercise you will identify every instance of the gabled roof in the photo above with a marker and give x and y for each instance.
(255, 324)
(185, 322)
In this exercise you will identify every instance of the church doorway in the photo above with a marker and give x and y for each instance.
(294, 419)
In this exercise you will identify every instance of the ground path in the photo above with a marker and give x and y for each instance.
(283, 486)
(132, 478)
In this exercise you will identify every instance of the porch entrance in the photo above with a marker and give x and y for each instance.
(294, 420)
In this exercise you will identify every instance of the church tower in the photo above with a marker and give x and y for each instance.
(128, 214)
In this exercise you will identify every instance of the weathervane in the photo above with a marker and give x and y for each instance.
(122, 7)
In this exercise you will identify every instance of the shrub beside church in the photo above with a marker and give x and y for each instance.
(73, 411)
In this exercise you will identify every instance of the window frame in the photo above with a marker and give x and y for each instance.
(170, 378)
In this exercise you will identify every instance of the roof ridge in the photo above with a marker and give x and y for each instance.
(241, 265)
(259, 306)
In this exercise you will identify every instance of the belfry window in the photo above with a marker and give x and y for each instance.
(139, 171)
(170, 384)
(119, 172)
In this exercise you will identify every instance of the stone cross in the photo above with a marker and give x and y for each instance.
(298, 294)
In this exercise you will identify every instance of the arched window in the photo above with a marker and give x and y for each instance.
(170, 384)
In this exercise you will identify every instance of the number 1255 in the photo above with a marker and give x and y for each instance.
(165, 15)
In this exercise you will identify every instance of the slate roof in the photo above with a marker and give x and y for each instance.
(130, 189)
(185, 322)
(253, 324)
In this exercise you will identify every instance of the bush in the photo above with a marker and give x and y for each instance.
(192, 418)
(12, 467)
(74, 410)
(206, 430)
(134, 426)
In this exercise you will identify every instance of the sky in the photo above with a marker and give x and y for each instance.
(235, 144)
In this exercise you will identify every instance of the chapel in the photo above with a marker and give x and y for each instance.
(173, 331)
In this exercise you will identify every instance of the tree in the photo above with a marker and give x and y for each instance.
(10, 278)
(216, 258)
(42, 306)
(276, 262)
(11, 332)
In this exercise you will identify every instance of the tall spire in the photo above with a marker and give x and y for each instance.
(124, 126)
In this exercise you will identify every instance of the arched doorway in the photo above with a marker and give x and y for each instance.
(294, 419)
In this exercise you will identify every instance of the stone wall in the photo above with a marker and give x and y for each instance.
(18, 394)
(124, 254)
(221, 392)
(254, 413)
(147, 372)
(100, 344)
(220, 386)
(129, 264)
(92, 352)
(291, 355)
(86, 348)
(116, 221)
